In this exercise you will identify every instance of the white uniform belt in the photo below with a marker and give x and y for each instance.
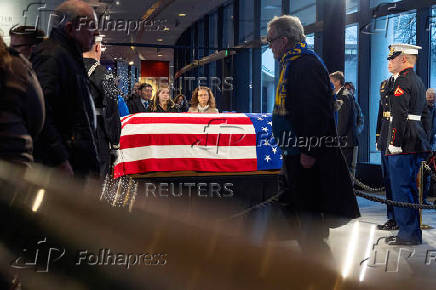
(410, 117)
(414, 117)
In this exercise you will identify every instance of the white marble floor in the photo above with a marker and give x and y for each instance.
(361, 253)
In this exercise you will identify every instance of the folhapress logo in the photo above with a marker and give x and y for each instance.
(43, 257)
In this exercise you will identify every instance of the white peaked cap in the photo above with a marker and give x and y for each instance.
(398, 48)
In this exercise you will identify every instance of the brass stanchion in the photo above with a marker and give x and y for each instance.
(421, 192)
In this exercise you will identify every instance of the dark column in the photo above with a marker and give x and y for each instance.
(423, 23)
(242, 91)
(285, 6)
(219, 63)
(206, 44)
(257, 63)
(236, 22)
(364, 73)
(333, 38)
(318, 39)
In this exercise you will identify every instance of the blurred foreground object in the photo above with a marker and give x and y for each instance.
(75, 234)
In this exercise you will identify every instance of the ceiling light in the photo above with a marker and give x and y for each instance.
(159, 39)
(182, 14)
(117, 2)
(131, 62)
(166, 28)
(159, 54)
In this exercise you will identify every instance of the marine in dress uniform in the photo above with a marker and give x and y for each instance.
(407, 140)
(383, 121)
(104, 92)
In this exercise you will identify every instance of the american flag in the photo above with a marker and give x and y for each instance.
(210, 142)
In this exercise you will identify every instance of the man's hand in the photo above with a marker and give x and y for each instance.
(66, 168)
(307, 161)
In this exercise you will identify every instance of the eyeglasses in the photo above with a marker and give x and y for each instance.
(270, 41)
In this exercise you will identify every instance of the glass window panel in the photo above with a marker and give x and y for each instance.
(213, 32)
(433, 50)
(351, 55)
(385, 31)
(268, 75)
(310, 40)
(352, 6)
(246, 20)
(374, 3)
(304, 9)
(270, 8)
(228, 38)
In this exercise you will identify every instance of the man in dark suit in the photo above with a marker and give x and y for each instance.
(346, 119)
(68, 140)
(304, 111)
(139, 103)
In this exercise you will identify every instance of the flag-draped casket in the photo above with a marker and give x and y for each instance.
(208, 142)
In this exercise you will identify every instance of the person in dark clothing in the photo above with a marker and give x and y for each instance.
(104, 92)
(25, 38)
(162, 103)
(304, 111)
(68, 140)
(382, 132)
(408, 142)
(346, 119)
(140, 103)
(181, 103)
(21, 107)
(430, 97)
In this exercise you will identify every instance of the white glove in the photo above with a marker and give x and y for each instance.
(394, 149)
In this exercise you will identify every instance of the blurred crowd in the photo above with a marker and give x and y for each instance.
(60, 107)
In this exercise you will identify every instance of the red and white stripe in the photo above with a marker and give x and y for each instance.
(186, 141)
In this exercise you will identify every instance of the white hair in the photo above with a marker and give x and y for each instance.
(289, 27)
(431, 92)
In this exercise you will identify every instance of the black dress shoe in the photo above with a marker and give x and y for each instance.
(390, 239)
(390, 225)
(401, 242)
